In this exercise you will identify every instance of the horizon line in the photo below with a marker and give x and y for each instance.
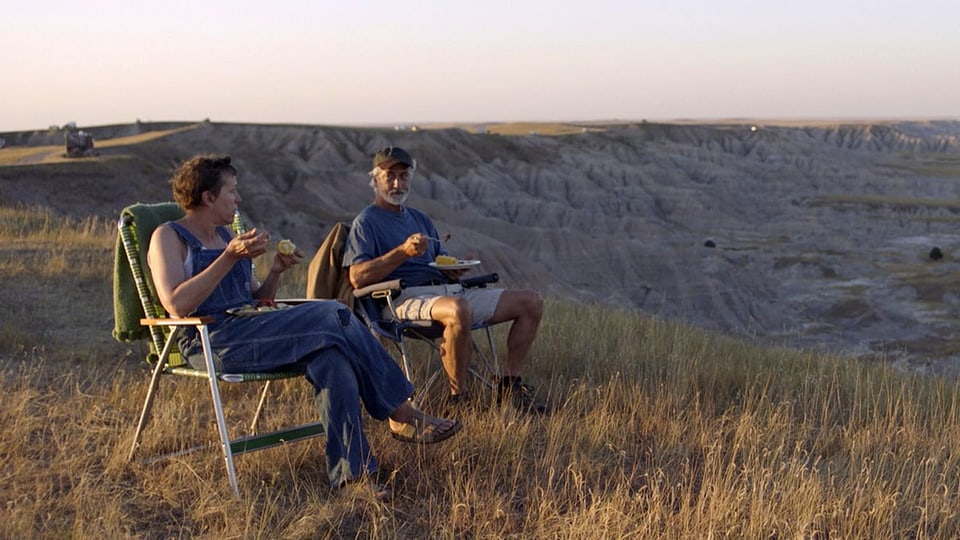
(406, 125)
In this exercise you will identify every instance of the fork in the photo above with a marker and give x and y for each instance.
(446, 238)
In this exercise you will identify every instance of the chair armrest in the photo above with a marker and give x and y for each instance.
(392, 285)
(184, 321)
(480, 281)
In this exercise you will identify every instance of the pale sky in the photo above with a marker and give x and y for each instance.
(350, 62)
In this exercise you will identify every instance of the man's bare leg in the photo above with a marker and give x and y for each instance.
(455, 352)
(525, 309)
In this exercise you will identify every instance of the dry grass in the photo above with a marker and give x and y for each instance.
(885, 201)
(935, 165)
(662, 431)
(531, 128)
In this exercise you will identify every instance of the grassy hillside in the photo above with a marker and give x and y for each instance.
(661, 431)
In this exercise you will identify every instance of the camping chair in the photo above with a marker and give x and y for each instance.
(139, 315)
(326, 278)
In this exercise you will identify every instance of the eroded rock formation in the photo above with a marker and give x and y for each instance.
(820, 236)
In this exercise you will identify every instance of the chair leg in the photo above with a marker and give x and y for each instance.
(489, 369)
(490, 364)
(147, 405)
(256, 415)
(218, 408)
(493, 349)
(151, 392)
(405, 358)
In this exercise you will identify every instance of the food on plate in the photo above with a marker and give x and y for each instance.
(444, 260)
(286, 247)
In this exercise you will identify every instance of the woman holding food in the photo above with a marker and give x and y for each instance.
(200, 268)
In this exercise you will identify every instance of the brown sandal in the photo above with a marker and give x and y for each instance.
(420, 430)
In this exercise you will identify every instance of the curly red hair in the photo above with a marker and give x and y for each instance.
(198, 174)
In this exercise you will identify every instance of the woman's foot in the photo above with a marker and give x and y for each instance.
(408, 424)
(382, 491)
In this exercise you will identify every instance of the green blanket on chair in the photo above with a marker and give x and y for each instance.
(127, 309)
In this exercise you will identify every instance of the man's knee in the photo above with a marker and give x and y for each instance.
(464, 311)
(454, 311)
(537, 304)
(519, 305)
(531, 304)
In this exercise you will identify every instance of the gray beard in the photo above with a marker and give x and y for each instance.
(397, 200)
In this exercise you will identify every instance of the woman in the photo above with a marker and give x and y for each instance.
(200, 268)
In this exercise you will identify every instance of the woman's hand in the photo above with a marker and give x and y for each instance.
(266, 291)
(282, 263)
(249, 244)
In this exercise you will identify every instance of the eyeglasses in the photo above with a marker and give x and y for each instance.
(404, 176)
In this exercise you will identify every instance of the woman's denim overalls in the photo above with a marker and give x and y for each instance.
(321, 339)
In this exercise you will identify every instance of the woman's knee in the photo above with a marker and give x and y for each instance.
(329, 369)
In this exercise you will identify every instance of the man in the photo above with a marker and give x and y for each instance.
(389, 240)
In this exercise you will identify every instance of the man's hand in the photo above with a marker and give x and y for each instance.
(455, 275)
(416, 245)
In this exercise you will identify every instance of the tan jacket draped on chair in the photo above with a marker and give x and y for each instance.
(326, 276)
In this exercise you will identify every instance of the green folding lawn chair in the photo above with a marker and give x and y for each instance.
(139, 315)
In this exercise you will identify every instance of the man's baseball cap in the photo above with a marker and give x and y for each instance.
(390, 156)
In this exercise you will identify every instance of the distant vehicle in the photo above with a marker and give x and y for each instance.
(78, 144)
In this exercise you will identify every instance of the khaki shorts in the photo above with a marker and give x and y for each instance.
(416, 303)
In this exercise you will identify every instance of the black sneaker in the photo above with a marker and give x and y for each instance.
(523, 397)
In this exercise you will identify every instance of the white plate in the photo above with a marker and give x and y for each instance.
(459, 265)
(250, 311)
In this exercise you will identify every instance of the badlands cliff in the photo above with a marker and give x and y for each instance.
(809, 236)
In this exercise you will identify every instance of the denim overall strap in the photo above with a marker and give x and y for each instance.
(233, 290)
